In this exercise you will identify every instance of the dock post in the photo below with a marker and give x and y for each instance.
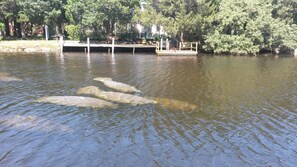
(161, 44)
(167, 44)
(61, 44)
(112, 49)
(88, 42)
(197, 47)
(46, 32)
(133, 50)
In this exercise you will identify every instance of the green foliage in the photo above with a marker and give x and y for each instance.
(23, 17)
(235, 44)
(73, 31)
(180, 18)
(248, 27)
(99, 17)
(221, 26)
(2, 27)
(35, 10)
(9, 8)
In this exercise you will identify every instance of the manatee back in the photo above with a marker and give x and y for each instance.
(102, 79)
(88, 90)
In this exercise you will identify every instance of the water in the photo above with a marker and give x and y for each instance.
(246, 116)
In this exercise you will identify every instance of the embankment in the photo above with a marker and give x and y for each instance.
(29, 46)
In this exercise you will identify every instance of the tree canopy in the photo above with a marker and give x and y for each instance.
(221, 26)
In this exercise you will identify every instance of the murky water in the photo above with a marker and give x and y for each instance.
(246, 115)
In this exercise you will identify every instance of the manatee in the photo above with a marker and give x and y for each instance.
(6, 77)
(114, 96)
(122, 87)
(173, 104)
(33, 123)
(9, 79)
(77, 101)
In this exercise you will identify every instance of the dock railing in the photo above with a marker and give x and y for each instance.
(193, 46)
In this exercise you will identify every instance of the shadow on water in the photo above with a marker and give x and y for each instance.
(243, 111)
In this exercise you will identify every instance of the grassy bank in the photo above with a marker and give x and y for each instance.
(29, 46)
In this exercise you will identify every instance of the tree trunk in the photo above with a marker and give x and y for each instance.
(182, 37)
(59, 29)
(7, 31)
(31, 29)
(19, 30)
(113, 28)
(14, 27)
(106, 25)
(23, 27)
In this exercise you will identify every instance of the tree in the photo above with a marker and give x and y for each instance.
(56, 15)
(2, 27)
(247, 27)
(99, 16)
(184, 19)
(9, 12)
(40, 12)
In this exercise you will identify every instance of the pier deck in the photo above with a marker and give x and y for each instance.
(132, 47)
(176, 53)
(185, 49)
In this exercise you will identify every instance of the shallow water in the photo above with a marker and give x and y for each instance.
(246, 115)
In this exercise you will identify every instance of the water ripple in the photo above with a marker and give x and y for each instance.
(246, 114)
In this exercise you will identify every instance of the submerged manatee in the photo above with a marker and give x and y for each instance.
(114, 96)
(6, 77)
(117, 85)
(33, 123)
(173, 104)
(77, 101)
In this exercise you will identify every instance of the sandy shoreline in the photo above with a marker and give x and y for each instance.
(29, 46)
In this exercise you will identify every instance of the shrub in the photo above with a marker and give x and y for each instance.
(73, 31)
(2, 26)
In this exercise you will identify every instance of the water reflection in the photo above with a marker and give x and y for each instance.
(246, 112)
(62, 61)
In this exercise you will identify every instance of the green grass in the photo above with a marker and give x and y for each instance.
(14, 44)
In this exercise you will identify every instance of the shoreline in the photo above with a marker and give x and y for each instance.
(52, 46)
(29, 46)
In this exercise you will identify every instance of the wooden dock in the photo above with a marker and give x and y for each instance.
(185, 49)
(68, 45)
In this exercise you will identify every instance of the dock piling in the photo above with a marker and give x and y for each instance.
(88, 42)
(161, 44)
(112, 50)
(46, 32)
(167, 44)
(157, 47)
